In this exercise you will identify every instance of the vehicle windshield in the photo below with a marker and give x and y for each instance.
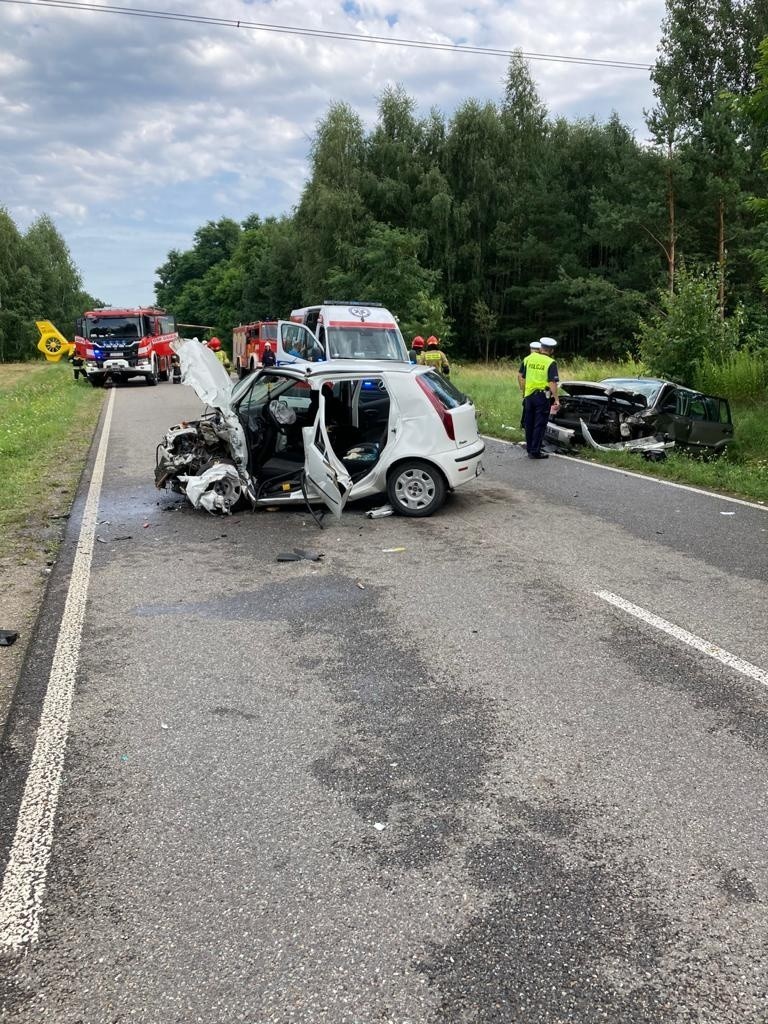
(269, 332)
(366, 343)
(113, 327)
(637, 386)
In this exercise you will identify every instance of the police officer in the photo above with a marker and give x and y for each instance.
(535, 347)
(539, 372)
(435, 357)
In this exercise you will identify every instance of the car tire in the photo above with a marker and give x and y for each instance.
(152, 378)
(96, 380)
(416, 488)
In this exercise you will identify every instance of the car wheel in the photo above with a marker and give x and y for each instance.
(96, 380)
(415, 488)
(151, 379)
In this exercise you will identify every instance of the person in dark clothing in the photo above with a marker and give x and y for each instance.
(268, 358)
(77, 365)
(539, 374)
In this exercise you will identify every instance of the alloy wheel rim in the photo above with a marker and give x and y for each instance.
(415, 488)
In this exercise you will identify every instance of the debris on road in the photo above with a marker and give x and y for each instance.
(300, 555)
(380, 513)
(8, 637)
(652, 448)
(727, 513)
(379, 826)
(392, 551)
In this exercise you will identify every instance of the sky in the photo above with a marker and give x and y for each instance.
(131, 133)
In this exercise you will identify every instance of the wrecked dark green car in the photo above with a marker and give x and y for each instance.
(638, 413)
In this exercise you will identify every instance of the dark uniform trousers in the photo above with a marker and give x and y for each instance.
(536, 416)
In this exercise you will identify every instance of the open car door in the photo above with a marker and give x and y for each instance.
(296, 344)
(324, 472)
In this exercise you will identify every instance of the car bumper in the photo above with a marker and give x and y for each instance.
(463, 464)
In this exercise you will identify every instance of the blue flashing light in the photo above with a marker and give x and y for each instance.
(369, 385)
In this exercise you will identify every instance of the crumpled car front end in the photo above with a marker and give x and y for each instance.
(206, 459)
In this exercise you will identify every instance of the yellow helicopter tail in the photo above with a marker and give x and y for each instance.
(52, 342)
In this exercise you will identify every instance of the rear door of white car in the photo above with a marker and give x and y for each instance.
(454, 408)
(324, 471)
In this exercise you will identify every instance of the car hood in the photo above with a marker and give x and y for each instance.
(205, 374)
(591, 389)
(211, 383)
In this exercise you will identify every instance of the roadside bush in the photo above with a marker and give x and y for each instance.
(687, 330)
(741, 375)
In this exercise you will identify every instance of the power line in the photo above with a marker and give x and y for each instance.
(259, 26)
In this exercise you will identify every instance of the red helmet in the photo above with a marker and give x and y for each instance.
(418, 342)
(215, 344)
(432, 340)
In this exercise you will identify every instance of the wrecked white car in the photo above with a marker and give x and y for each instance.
(320, 434)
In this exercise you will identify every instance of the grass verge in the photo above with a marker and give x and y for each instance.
(742, 471)
(46, 425)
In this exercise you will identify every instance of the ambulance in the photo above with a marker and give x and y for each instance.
(340, 331)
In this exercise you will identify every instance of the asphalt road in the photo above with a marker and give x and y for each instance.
(442, 785)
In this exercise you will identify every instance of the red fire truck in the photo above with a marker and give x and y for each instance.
(118, 344)
(248, 341)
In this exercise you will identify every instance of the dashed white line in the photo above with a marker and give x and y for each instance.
(746, 668)
(23, 889)
(643, 476)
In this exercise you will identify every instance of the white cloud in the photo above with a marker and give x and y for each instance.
(187, 122)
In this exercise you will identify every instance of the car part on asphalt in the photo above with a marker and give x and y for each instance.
(652, 448)
(8, 637)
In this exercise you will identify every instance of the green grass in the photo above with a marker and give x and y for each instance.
(46, 426)
(742, 471)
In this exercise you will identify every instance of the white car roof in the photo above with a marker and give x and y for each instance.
(347, 367)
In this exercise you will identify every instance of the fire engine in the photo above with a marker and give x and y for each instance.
(118, 344)
(248, 341)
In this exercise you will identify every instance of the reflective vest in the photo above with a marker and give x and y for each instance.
(433, 357)
(536, 370)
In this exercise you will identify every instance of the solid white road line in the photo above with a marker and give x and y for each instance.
(711, 650)
(643, 476)
(23, 890)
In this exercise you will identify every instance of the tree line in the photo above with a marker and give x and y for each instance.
(38, 281)
(503, 222)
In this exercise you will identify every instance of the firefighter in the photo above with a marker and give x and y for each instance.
(215, 346)
(539, 371)
(435, 357)
(417, 347)
(535, 347)
(76, 361)
(268, 359)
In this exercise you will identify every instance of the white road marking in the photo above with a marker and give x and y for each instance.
(643, 476)
(711, 650)
(23, 889)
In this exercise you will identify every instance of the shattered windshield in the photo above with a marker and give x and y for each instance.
(366, 343)
(113, 327)
(649, 389)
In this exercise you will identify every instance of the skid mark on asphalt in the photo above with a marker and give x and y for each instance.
(23, 890)
(655, 660)
(293, 599)
(698, 643)
(573, 931)
(416, 749)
